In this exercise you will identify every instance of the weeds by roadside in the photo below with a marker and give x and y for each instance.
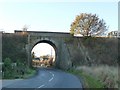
(98, 76)
(30, 73)
(87, 80)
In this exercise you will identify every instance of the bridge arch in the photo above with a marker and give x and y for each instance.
(48, 41)
(57, 41)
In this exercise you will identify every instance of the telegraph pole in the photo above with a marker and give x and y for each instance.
(51, 52)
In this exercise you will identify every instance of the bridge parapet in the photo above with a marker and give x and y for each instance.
(51, 34)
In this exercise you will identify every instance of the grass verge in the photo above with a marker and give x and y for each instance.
(29, 73)
(87, 80)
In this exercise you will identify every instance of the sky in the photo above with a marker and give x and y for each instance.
(53, 16)
(43, 49)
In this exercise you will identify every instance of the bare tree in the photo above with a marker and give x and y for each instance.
(25, 28)
(88, 25)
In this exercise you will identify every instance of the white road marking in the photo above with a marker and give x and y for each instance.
(41, 86)
(52, 74)
(51, 79)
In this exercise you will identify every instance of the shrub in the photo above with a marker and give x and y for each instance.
(7, 68)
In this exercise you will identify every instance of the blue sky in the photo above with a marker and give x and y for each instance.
(53, 16)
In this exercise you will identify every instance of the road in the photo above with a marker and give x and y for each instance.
(47, 78)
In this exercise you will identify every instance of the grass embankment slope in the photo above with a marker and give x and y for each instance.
(97, 77)
(95, 60)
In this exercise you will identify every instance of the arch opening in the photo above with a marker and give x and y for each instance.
(44, 54)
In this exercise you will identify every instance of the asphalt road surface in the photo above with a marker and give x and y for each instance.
(47, 78)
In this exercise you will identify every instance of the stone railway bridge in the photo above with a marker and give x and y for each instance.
(69, 50)
(56, 40)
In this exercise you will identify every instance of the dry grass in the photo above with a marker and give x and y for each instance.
(108, 75)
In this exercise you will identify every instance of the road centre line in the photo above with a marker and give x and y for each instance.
(52, 74)
(41, 86)
(51, 79)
